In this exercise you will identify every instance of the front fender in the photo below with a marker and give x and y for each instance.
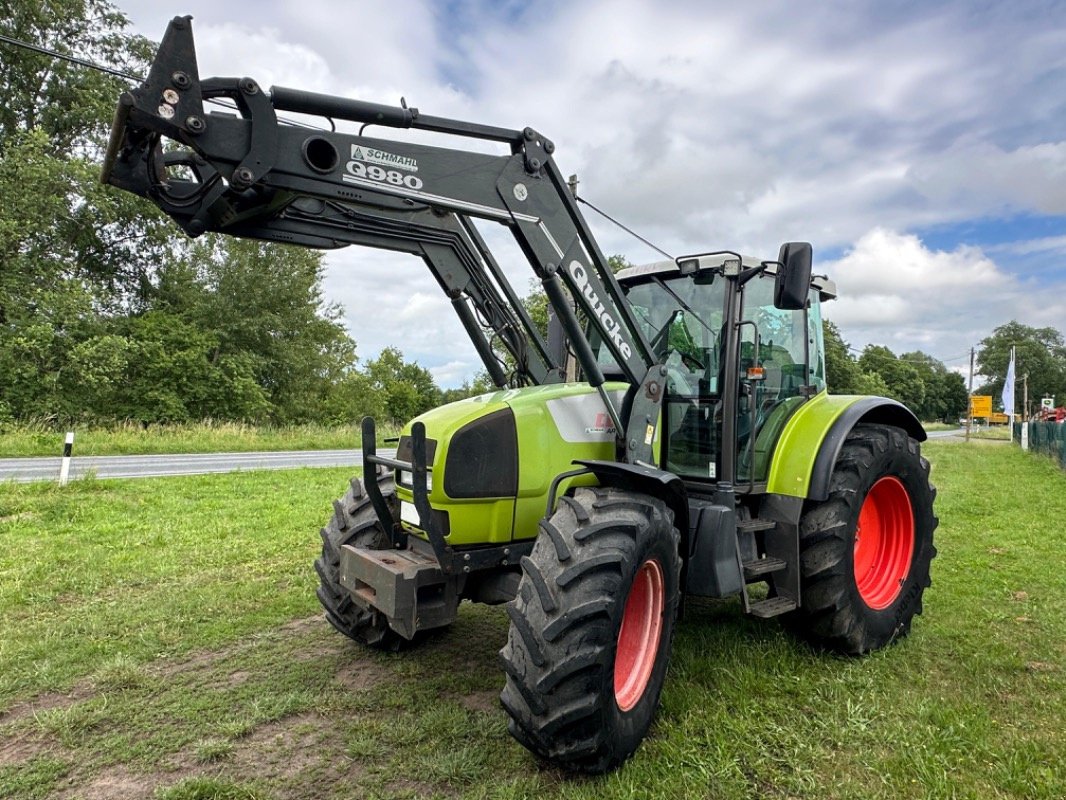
(636, 478)
(810, 443)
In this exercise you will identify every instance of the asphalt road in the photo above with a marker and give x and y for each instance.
(944, 434)
(47, 469)
(37, 469)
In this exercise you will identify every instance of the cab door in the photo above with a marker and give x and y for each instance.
(775, 374)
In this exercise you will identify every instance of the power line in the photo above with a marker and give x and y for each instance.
(630, 231)
(908, 360)
(82, 62)
(72, 59)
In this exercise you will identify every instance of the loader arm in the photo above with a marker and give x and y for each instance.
(255, 177)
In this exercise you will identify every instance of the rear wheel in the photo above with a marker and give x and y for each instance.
(354, 522)
(865, 552)
(591, 629)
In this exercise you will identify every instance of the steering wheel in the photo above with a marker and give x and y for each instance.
(692, 361)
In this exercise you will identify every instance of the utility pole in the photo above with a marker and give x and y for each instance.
(969, 400)
(1025, 396)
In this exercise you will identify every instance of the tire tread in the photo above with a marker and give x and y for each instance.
(564, 625)
(832, 614)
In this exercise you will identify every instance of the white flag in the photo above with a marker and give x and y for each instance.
(1008, 387)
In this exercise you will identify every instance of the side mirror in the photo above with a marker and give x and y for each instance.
(793, 284)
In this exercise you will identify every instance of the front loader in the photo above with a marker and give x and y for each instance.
(697, 454)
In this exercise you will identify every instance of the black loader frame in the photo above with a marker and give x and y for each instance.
(256, 178)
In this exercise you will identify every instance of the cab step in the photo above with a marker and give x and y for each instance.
(763, 566)
(772, 607)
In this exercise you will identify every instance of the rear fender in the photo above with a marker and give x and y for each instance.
(811, 441)
(871, 410)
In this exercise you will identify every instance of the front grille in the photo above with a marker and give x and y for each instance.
(483, 458)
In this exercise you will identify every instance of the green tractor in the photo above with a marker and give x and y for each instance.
(671, 436)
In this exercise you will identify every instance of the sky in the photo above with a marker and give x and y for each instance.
(919, 146)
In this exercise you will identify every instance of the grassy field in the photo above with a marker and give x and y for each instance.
(939, 426)
(203, 437)
(999, 433)
(41, 439)
(160, 639)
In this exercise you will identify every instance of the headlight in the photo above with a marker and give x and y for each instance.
(407, 479)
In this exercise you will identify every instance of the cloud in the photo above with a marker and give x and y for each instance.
(896, 291)
(455, 373)
(980, 179)
(386, 303)
(263, 53)
(1025, 247)
(854, 125)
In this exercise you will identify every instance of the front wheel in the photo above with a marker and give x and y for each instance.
(354, 522)
(865, 551)
(591, 629)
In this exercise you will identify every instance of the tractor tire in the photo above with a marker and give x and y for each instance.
(354, 522)
(865, 551)
(591, 629)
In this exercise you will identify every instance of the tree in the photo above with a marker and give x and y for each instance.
(953, 395)
(536, 305)
(54, 118)
(175, 374)
(73, 255)
(902, 380)
(72, 103)
(352, 398)
(844, 375)
(481, 384)
(407, 389)
(107, 311)
(871, 384)
(945, 391)
(1040, 354)
(841, 372)
(264, 301)
(536, 302)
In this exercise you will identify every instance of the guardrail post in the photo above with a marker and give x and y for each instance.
(64, 468)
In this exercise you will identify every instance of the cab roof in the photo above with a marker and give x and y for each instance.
(827, 289)
(662, 268)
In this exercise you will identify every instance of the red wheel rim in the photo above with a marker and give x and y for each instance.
(884, 543)
(638, 638)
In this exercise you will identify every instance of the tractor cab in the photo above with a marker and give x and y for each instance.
(768, 370)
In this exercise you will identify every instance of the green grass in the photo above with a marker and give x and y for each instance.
(106, 575)
(165, 634)
(40, 439)
(1000, 433)
(939, 426)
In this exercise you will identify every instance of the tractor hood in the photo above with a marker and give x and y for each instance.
(493, 457)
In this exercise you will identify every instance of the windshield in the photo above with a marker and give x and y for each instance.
(681, 316)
